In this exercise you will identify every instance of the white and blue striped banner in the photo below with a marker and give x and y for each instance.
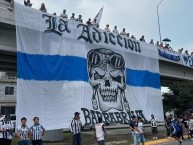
(66, 67)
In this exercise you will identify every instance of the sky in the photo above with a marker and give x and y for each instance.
(139, 17)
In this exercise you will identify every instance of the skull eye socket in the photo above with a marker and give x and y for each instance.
(97, 76)
(94, 58)
(117, 78)
(117, 61)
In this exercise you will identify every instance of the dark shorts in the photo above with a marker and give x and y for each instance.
(77, 139)
(154, 130)
(5, 141)
(191, 132)
(177, 134)
(37, 142)
(102, 142)
(23, 142)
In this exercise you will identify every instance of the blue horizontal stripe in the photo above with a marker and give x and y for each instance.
(143, 78)
(72, 68)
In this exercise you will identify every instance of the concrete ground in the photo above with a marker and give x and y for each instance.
(120, 137)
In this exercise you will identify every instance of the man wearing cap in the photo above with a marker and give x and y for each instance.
(154, 126)
(75, 127)
(6, 131)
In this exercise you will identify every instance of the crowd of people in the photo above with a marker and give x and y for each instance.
(178, 127)
(95, 24)
(23, 132)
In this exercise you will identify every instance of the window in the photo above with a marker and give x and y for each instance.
(11, 76)
(9, 90)
(7, 110)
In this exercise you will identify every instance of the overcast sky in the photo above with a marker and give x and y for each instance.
(139, 17)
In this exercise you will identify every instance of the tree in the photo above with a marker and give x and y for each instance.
(179, 98)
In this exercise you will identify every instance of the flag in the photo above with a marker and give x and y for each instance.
(98, 16)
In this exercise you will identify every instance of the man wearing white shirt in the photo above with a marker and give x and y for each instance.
(95, 24)
(154, 126)
(37, 131)
(73, 17)
(107, 28)
(123, 33)
(6, 131)
(115, 30)
(140, 134)
(76, 127)
(22, 132)
(100, 132)
(64, 15)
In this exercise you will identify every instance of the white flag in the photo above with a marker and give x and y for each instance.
(98, 16)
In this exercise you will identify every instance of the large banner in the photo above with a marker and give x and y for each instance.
(66, 67)
(169, 55)
(187, 60)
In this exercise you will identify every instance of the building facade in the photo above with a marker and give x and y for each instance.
(8, 92)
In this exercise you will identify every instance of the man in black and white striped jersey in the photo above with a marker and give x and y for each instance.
(76, 127)
(37, 131)
(22, 132)
(6, 131)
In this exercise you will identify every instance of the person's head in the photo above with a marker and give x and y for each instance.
(54, 14)
(89, 19)
(107, 25)
(151, 40)
(43, 5)
(139, 119)
(115, 27)
(142, 36)
(36, 120)
(73, 14)
(28, 1)
(23, 121)
(100, 119)
(123, 29)
(64, 11)
(80, 16)
(152, 116)
(77, 115)
(7, 117)
(175, 117)
(128, 34)
(134, 118)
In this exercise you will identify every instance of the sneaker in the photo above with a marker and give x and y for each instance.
(181, 142)
(155, 137)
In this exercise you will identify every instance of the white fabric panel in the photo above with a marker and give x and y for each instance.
(112, 79)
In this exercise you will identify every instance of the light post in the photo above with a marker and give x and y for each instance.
(158, 20)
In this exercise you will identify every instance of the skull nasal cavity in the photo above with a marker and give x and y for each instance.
(107, 83)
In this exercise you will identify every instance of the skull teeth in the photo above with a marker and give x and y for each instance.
(109, 98)
(109, 95)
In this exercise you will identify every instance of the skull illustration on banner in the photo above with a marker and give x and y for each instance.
(107, 76)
